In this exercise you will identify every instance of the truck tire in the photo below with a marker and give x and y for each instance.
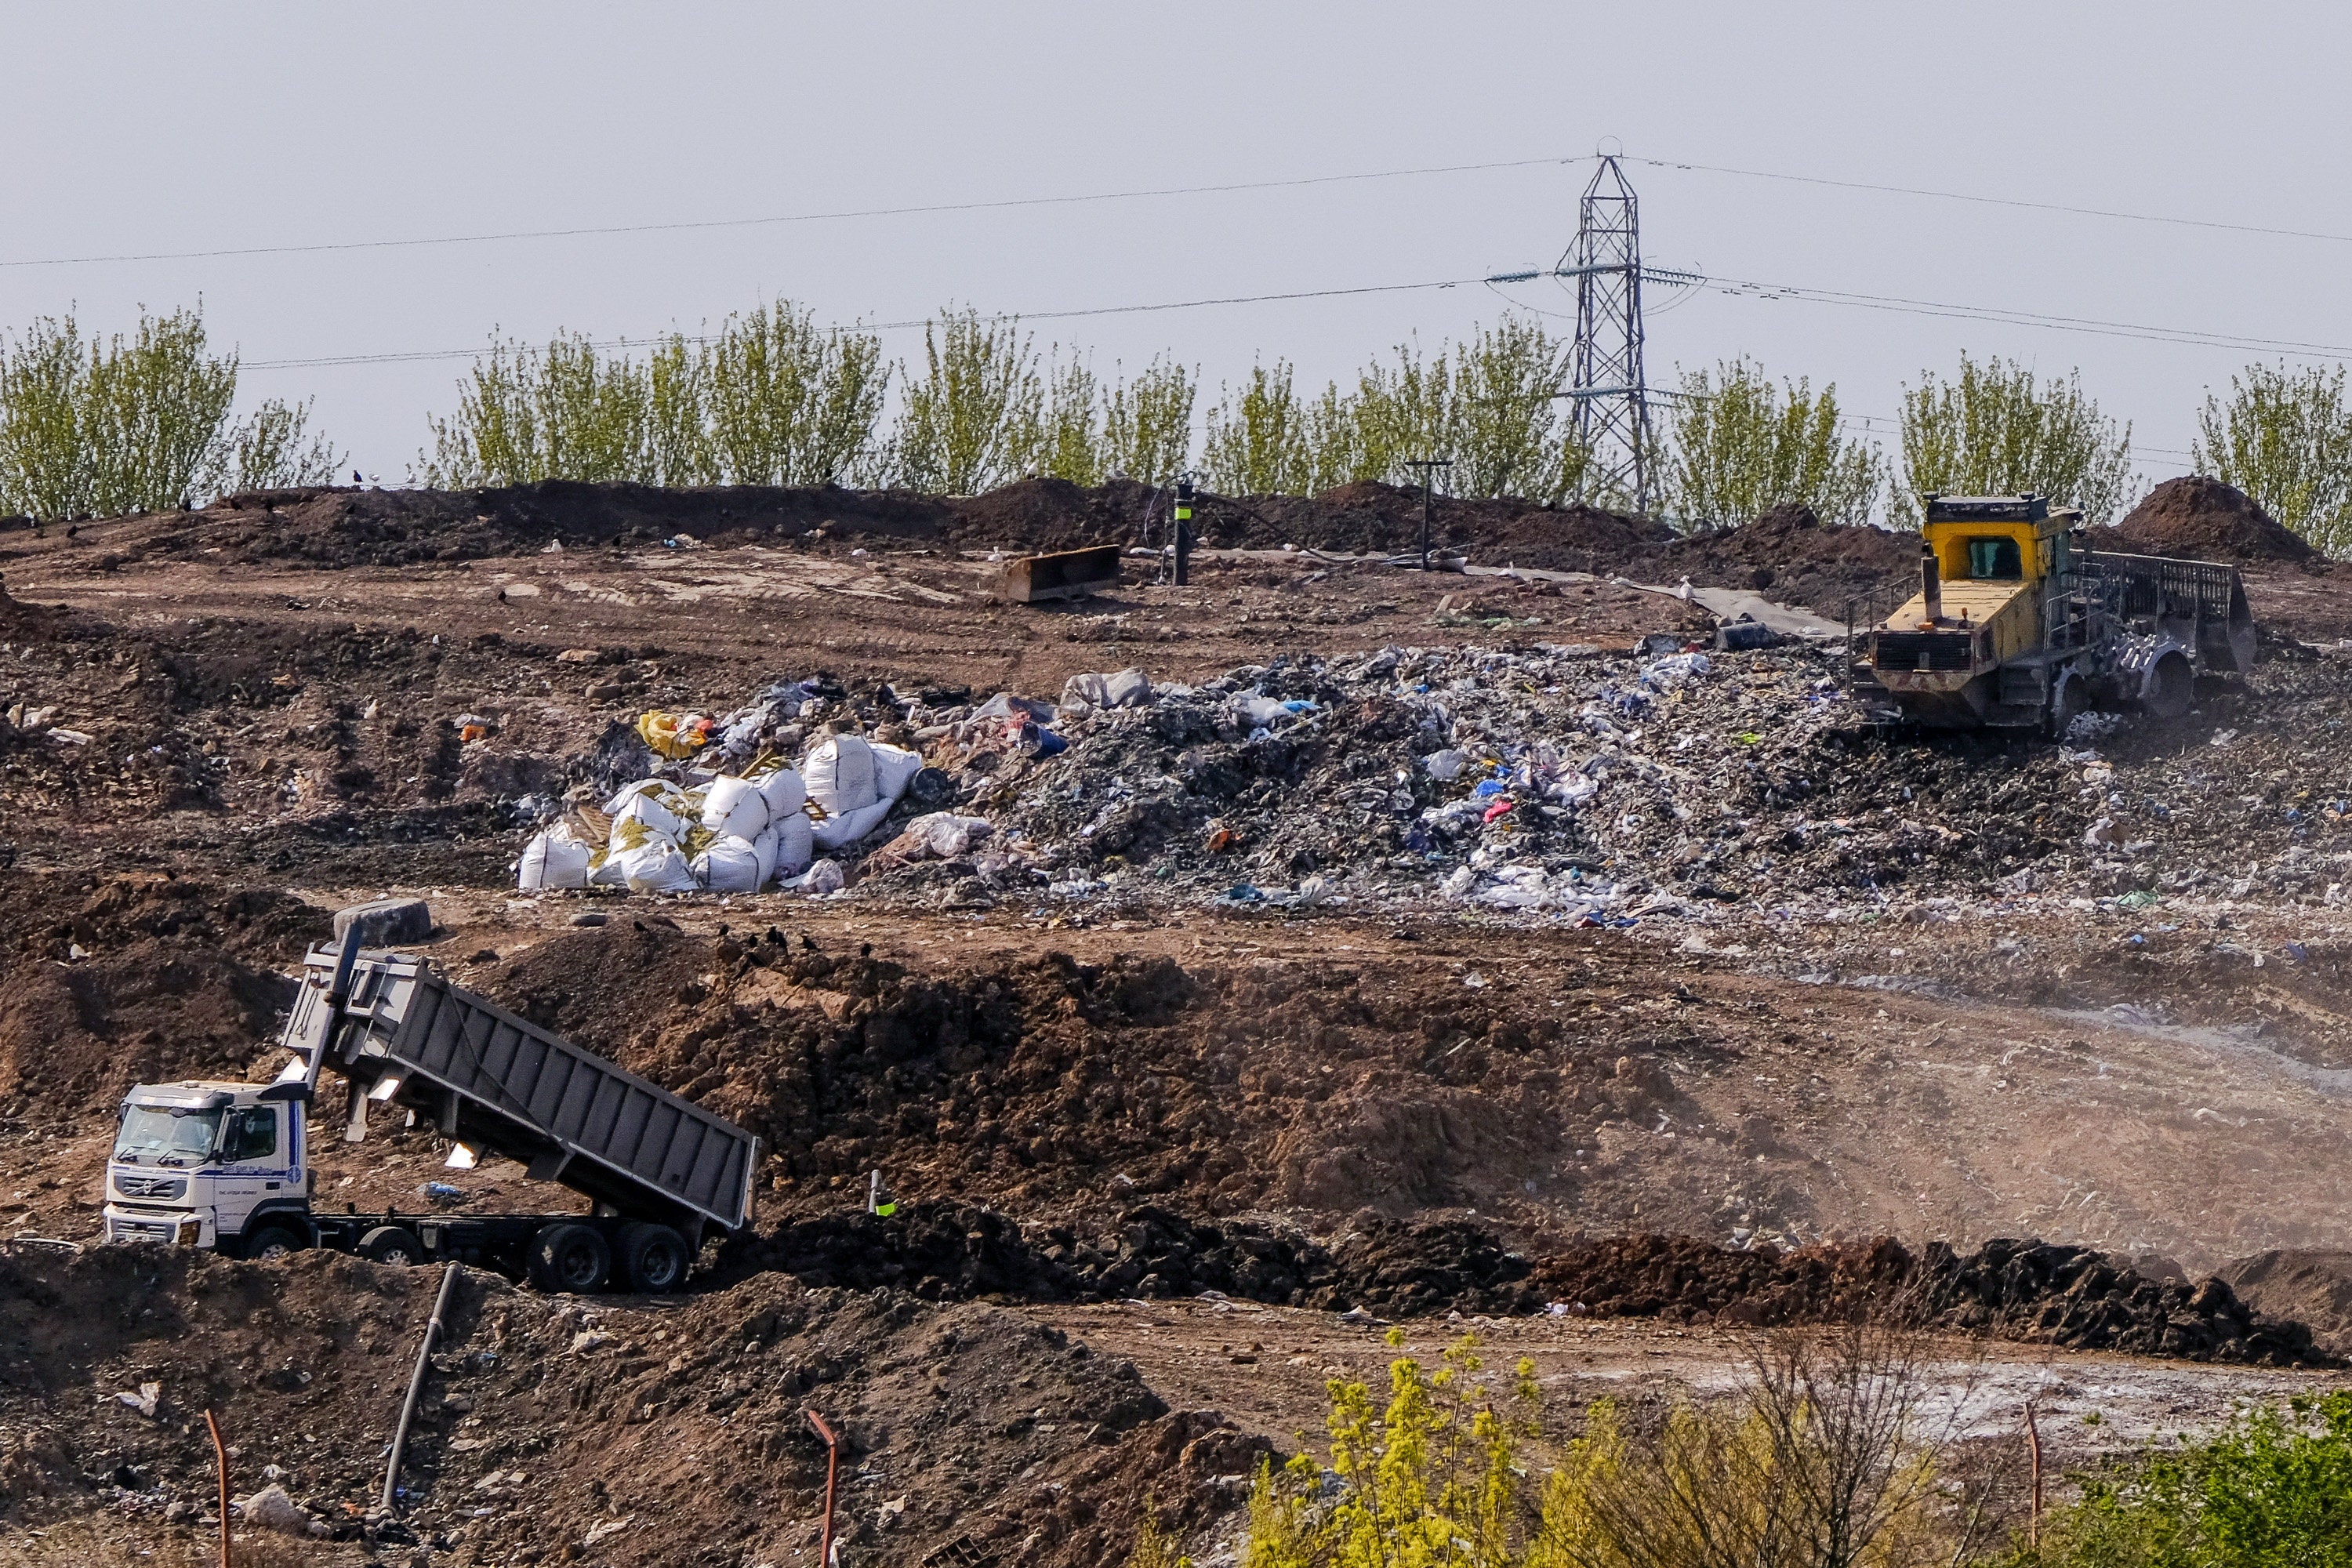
(570, 1257)
(654, 1257)
(392, 1243)
(271, 1242)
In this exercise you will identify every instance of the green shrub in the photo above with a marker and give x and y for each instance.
(106, 427)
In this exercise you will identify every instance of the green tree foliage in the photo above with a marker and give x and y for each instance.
(1071, 445)
(792, 402)
(1994, 429)
(2271, 1487)
(1148, 424)
(1742, 445)
(109, 425)
(1824, 1457)
(2284, 438)
(1491, 404)
(773, 399)
(1257, 438)
(971, 421)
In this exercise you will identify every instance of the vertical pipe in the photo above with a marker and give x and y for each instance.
(1181, 538)
(1427, 475)
(1931, 581)
(2033, 1446)
(416, 1384)
(832, 1473)
(220, 1458)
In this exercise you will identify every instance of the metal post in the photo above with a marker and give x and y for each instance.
(832, 1475)
(416, 1384)
(1428, 466)
(220, 1458)
(1181, 534)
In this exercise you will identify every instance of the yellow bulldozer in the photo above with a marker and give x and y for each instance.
(2020, 624)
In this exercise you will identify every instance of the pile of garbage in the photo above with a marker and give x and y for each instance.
(1557, 780)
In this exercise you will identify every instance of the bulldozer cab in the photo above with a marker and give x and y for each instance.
(1997, 539)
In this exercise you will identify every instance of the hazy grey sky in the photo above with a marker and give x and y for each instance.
(147, 128)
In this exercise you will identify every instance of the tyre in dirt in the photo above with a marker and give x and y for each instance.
(392, 1243)
(570, 1257)
(271, 1242)
(654, 1257)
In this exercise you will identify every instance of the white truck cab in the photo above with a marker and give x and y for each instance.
(211, 1164)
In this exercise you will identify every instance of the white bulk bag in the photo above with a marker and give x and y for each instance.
(604, 870)
(784, 792)
(764, 854)
(661, 806)
(839, 774)
(795, 845)
(655, 866)
(730, 865)
(849, 826)
(734, 809)
(553, 858)
(894, 770)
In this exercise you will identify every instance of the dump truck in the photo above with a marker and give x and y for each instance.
(226, 1165)
(2020, 624)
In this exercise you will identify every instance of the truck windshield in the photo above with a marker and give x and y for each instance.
(161, 1132)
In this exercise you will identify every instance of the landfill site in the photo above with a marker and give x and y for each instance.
(1119, 1001)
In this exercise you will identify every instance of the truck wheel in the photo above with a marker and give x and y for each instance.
(392, 1243)
(652, 1258)
(270, 1243)
(570, 1257)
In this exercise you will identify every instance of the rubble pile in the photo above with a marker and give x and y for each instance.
(1599, 789)
(1560, 781)
(2069, 1296)
(948, 1251)
(2075, 1297)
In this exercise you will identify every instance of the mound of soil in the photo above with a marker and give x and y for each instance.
(1687, 1281)
(343, 527)
(2072, 1296)
(545, 1420)
(108, 982)
(2312, 1287)
(944, 1251)
(2201, 519)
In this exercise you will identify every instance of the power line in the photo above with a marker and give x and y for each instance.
(2003, 316)
(1999, 201)
(928, 209)
(895, 326)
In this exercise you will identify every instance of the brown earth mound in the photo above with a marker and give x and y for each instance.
(1787, 547)
(2314, 1287)
(108, 982)
(2200, 518)
(546, 1420)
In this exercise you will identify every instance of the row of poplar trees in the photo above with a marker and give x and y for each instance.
(93, 426)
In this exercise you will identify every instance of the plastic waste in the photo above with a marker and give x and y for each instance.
(824, 877)
(1127, 689)
(672, 736)
(1445, 766)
